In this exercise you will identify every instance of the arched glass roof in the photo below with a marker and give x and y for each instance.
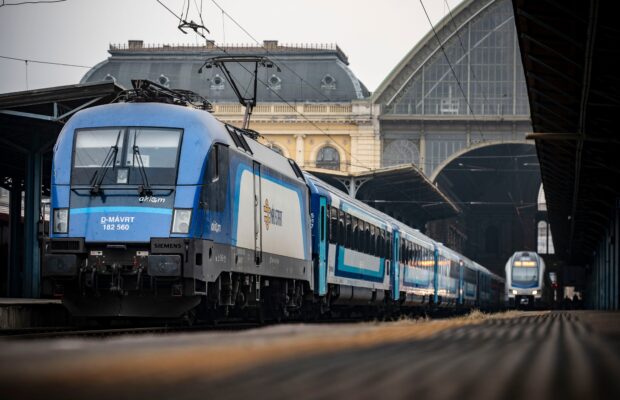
(480, 45)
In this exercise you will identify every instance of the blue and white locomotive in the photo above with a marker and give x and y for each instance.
(525, 279)
(161, 209)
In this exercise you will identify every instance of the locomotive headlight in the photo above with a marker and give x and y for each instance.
(534, 292)
(61, 220)
(180, 222)
(514, 291)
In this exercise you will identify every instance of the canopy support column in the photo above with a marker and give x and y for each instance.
(14, 278)
(32, 212)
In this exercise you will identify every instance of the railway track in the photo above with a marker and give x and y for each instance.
(68, 332)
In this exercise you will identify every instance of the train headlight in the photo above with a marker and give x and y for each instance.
(534, 292)
(181, 220)
(61, 220)
(514, 291)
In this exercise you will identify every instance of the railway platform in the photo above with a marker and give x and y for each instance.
(512, 355)
(18, 313)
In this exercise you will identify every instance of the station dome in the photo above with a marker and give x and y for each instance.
(301, 73)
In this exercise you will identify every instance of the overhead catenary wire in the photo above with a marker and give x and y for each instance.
(27, 60)
(21, 3)
(291, 106)
(458, 82)
(272, 57)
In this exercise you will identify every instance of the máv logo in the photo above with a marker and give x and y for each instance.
(272, 216)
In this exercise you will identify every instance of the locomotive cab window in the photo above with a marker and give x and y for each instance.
(126, 156)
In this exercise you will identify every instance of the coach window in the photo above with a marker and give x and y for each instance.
(366, 235)
(373, 241)
(409, 253)
(356, 233)
(416, 259)
(349, 242)
(341, 229)
(361, 236)
(333, 218)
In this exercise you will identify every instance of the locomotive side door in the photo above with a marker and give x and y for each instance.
(258, 225)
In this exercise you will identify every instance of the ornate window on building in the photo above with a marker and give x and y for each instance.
(217, 82)
(275, 82)
(328, 158)
(328, 82)
(542, 202)
(400, 152)
(164, 80)
(545, 240)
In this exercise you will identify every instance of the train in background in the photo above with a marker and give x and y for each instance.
(161, 210)
(525, 280)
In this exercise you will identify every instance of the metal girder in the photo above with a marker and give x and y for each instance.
(550, 49)
(574, 17)
(563, 136)
(552, 69)
(352, 184)
(585, 93)
(55, 117)
(547, 120)
(544, 25)
(547, 83)
(14, 146)
(548, 97)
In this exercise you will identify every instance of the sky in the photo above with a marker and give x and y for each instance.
(375, 35)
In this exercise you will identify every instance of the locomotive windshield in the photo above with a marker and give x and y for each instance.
(524, 271)
(126, 156)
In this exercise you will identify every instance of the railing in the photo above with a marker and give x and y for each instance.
(302, 47)
(285, 109)
(265, 48)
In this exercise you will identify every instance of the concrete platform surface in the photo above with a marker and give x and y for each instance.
(27, 313)
(16, 301)
(515, 355)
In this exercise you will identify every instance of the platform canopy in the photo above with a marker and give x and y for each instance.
(570, 56)
(403, 192)
(30, 122)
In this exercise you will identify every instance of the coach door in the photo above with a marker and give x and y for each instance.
(461, 285)
(395, 272)
(258, 226)
(322, 261)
